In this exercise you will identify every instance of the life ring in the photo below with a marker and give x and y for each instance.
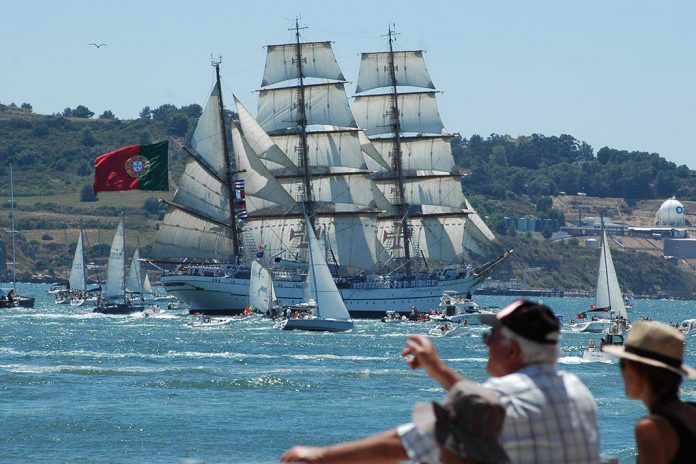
(591, 344)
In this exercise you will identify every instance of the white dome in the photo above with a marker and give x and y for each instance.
(671, 213)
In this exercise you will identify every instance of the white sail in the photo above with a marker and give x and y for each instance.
(147, 286)
(184, 235)
(77, 272)
(417, 113)
(320, 284)
(440, 191)
(608, 290)
(259, 141)
(115, 271)
(261, 294)
(133, 281)
(198, 224)
(409, 70)
(352, 239)
(207, 139)
(349, 192)
(325, 104)
(318, 61)
(261, 188)
(417, 153)
(337, 148)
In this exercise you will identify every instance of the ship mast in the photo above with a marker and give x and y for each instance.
(401, 205)
(302, 123)
(228, 168)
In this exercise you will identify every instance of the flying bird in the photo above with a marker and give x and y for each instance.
(98, 45)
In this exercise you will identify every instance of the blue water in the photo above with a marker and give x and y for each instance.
(77, 386)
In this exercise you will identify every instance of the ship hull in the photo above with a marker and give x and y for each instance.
(230, 295)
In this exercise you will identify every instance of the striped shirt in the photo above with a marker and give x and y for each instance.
(550, 417)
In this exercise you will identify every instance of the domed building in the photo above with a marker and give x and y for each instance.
(670, 214)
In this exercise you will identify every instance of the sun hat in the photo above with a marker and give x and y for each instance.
(467, 423)
(655, 344)
(533, 321)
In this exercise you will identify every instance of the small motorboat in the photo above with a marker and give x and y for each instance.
(688, 327)
(612, 336)
(206, 322)
(449, 330)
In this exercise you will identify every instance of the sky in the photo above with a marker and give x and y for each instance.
(616, 73)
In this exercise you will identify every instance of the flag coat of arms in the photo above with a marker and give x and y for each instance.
(138, 167)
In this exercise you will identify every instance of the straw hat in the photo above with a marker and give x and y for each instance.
(655, 344)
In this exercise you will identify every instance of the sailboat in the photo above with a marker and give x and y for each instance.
(305, 151)
(608, 298)
(262, 297)
(327, 311)
(113, 299)
(9, 298)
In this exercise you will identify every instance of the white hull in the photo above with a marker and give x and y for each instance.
(597, 326)
(229, 295)
(449, 331)
(317, 324)
(594, 355)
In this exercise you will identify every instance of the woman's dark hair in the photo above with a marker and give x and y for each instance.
(660, 380)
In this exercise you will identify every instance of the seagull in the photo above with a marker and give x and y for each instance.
(97, 45)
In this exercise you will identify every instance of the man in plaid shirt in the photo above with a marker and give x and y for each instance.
(550, 416)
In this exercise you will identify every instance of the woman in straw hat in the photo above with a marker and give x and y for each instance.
(652, 369)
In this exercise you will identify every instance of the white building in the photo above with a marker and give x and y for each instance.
(671, 214)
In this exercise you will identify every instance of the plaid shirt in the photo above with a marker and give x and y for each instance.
(550, 417)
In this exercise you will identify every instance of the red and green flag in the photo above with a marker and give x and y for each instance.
(138, 167)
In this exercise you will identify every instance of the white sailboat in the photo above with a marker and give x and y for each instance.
(328, 311)
(113, 299)
(78, 293)
(9, 298)
(262, 297)
(304, 150)
(608, 297)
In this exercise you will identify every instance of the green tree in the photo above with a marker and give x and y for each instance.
(146, 113)
(82, 112)
(27, 107)
(87, 194)
(107, 115)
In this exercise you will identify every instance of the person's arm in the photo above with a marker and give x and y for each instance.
(383, 447)
(425, 355)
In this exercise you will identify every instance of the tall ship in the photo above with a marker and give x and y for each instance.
(380, 188)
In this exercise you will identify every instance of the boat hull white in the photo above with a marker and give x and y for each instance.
(229, 295)
(595, 355)
(597, 326)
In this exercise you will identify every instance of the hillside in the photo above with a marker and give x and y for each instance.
(53, 157)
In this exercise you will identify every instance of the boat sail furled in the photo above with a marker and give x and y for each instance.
(428, 217)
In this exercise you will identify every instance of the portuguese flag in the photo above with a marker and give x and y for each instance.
(138, 167)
